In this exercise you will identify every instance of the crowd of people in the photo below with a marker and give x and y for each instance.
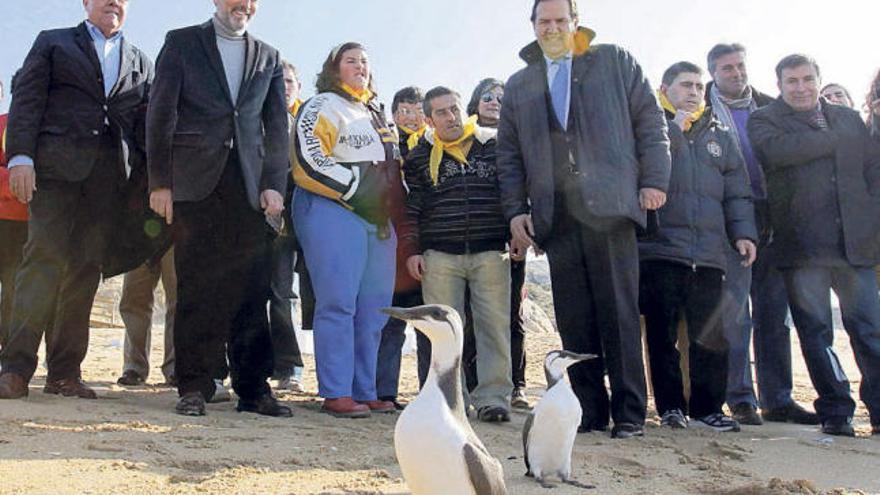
(709, 203)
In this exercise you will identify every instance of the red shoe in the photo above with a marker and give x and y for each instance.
(379, 406)
(345, 407)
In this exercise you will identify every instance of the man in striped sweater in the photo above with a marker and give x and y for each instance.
(458, 229)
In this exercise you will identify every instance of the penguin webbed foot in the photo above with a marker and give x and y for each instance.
(578, 484)
(544, 483)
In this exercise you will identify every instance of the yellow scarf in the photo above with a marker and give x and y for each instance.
(295, 107)
(362, 95)
(453, 148)
(664, 102)
(414, 136)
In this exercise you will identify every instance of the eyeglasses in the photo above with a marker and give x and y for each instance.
(488, 97)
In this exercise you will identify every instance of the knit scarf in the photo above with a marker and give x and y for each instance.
(721, 105)
(413, 136)
(362, 95)
(453, 148)
(695, 116)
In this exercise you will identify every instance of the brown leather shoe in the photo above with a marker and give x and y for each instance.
(345, 407)
(379, 406)
(13, 386)
(70, 387)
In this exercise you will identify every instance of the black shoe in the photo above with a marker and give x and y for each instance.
(875, 430)
(191, 404)
(840, 426)
(675, 419)
(588, 426)
(265, 405)
(130, 378)
(746, 414)
(792, 413)
(627, 430)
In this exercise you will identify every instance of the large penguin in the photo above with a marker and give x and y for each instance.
(438, 451)
(550, 430)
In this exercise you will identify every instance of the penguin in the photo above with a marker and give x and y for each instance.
(437, 449)
(550, 430)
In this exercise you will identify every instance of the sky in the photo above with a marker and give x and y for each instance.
(458, 42)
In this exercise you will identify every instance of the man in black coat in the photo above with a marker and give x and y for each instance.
(823, 186)
(75, 131)
(582, 155)
(217, 147)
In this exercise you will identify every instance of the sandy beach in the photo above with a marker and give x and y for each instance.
(130, 442)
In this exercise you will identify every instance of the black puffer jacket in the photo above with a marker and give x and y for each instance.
(709, 202)
(461, 214)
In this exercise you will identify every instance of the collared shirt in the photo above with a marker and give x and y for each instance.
(109, 52)
(553, 67)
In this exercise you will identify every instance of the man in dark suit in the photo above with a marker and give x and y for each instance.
(217, 148)
(582, 154)
(73, 134)
(823, 181)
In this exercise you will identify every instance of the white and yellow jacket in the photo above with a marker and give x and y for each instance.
(343, 149)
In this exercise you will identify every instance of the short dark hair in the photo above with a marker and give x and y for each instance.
(680, 68)
(328, 78)
(482, 88)
(796, 60)
(409, 94)
(436, 93)
(572, 7)
(720, 50)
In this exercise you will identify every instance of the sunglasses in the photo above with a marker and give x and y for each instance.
(488, 97)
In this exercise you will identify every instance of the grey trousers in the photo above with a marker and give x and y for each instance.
(136, 309)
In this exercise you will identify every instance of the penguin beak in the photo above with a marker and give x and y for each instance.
(404, 314)
(583, 357)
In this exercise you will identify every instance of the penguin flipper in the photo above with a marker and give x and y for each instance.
(486, 474)
(527, 429)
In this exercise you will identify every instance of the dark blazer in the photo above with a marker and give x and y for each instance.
(617, 134)
(58, 105)
(192, 122)
(823, 186)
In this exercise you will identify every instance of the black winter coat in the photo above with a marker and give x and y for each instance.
(709, 203)
(822, 185)
(617, 131)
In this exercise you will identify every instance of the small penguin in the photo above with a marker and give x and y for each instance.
(550, 430)
(437, 449)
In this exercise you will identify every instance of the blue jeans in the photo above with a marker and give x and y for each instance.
(393, 337)
(738, 331)
(352, 273)
(856, 289)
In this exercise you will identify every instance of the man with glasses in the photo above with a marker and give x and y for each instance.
(76, 119)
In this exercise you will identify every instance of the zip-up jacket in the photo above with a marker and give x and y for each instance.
(345, 151)
(462, 213)
(709, 202)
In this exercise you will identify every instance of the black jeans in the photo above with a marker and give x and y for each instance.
(594, 264)
(856, 289)
(286, 348)
(667, 290)
(222, 258)
(13, 235)
(68, 232)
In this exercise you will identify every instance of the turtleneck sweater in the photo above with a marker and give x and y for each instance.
(233, 51)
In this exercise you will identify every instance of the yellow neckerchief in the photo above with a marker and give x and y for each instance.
(414, 136)
(362, 95)
(295, 107)
(664, 102)
(454, 149)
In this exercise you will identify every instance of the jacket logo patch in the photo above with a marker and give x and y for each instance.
(714, 149)
(357, 141)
